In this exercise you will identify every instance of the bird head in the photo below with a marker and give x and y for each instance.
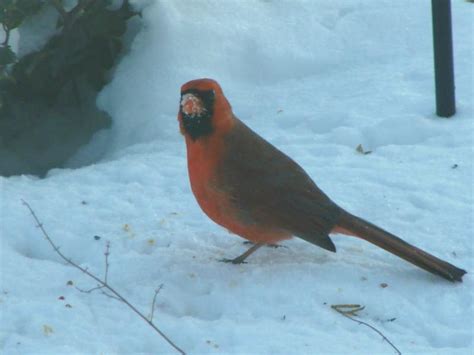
(203, 109)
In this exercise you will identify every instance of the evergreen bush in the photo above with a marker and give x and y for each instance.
(47, 97)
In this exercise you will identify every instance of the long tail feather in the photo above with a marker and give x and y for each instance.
(350, 224)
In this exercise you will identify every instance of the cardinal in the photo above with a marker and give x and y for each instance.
(254, 190)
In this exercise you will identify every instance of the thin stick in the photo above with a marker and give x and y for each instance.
(351, 309)
(102, 283)
(154, 301)
(107, 253)
(101, 291)
(99, 287)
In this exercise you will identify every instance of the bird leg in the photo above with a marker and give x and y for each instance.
(247, 242)
(240, 259)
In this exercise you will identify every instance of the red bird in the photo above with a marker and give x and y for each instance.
(248, 186)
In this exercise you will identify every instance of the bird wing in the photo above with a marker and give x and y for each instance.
(269, 188)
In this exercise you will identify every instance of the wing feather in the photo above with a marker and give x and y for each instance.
(269, 188)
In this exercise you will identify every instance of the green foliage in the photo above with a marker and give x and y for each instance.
(14, 12)
(7, 56)
(85, 49)
(65, 74)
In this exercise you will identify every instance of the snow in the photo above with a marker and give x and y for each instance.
(192, 105)
(315, 78)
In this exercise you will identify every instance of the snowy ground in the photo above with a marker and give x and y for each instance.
(316, 78)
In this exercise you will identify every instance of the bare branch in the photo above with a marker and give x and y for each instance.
(107, 253)
(99, 287)
(154, 301)
(349, 310)
(110, 296)
(103, 284)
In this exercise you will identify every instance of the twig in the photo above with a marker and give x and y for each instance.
(107, 253)
(101, 291)
(349, 310)
(99, 281)
(89, 290)
(153, 303)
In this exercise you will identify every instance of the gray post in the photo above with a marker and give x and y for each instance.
(443, 57)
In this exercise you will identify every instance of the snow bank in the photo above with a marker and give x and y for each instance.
(248, 46)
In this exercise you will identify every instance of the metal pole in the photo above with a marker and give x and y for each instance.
(443, 57)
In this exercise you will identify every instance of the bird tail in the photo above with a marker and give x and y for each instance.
(352, 225)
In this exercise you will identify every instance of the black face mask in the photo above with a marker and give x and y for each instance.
(199, 125)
